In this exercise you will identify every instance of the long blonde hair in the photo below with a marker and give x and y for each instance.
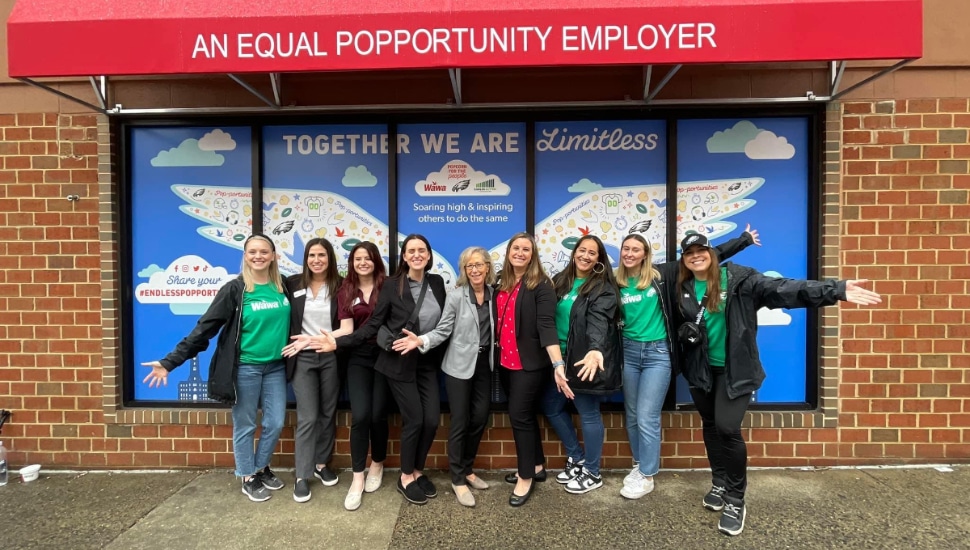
(466, 257)
(534, 274)
(274, 267)
(645, 274)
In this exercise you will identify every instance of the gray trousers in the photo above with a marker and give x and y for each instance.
(316, 384)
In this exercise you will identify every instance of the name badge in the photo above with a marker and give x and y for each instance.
(298, 293)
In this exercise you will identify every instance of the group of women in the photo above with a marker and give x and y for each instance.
(580, 336)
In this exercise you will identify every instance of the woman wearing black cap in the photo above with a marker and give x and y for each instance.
(720, 354)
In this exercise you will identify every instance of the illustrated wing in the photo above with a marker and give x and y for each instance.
(226, 211)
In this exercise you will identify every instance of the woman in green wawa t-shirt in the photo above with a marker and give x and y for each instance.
(253, 314)
(723, 367)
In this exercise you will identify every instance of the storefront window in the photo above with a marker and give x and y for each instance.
(459, 184)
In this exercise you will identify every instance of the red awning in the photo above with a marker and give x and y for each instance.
(158, 37)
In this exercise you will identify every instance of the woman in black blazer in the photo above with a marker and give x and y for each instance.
(412, 376)
(526, 305)
(314, 376)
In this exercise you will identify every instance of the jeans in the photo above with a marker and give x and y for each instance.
(588, 406)
(554, 408)
(646, 377)
(721, 419)
(316, 384)
(257, 386)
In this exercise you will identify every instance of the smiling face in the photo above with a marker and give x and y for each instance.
(259, 255)
(416, 255)
(317, 259)
(632, 254)
(362, 262)
(585, 257)
(520, 254)
(476, 269)
(697, 259)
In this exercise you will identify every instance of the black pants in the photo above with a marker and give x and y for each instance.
(420, 406)
(721, 418)
(368, 410)
(525, 390)
(469, 401)
(316, 384)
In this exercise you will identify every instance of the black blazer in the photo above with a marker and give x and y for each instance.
(394, 310)
(535, 325)
(297, 306)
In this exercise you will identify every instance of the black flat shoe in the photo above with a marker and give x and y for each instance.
(518, 500)
(412, 493)
(540, 477)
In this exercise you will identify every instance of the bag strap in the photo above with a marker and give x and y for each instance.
(700, 314)
(417, 306)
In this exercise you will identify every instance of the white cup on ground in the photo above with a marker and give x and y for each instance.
(30, 473)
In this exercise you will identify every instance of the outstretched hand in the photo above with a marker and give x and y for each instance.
(299, 343)
(591, 364)
(411, 341)
(562, 384)
(158, 376)
(323, 342)
(754, 235)
(856, 294)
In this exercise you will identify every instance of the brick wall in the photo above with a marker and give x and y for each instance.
(895, 210)
(905, 366)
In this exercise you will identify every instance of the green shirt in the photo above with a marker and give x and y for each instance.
(265, 325)
(563, 308)
(715, 323)
(643, 320)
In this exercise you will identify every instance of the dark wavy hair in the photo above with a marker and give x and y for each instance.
(348, 289)
(564, 280)
(331, 277)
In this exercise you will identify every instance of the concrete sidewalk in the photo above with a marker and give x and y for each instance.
(846, 508)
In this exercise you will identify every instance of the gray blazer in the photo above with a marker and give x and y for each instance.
(459, 320)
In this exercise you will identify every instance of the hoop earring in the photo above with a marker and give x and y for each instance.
(601, 266)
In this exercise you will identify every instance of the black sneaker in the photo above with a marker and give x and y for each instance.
(269, 479)
(584, 483)
(732, 518)
(412, 493)
(426, 485)
(254, 490)
(714, 499)
(326, 476)
(570, 472)
(301, 490)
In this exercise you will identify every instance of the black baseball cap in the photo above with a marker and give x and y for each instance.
(694, 239)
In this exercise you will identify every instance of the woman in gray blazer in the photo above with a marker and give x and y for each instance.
(468, 318)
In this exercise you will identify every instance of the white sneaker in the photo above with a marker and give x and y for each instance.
(632, 476)
(640, 486)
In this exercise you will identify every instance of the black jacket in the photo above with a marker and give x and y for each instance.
(297, 306)
(666, 288)
(747, 292)
(225, 314)
(593, 326)
(394, 310)
(535, 325)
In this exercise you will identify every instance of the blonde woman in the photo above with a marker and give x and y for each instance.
(468, 318)
(253, 314)
(648, 297)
